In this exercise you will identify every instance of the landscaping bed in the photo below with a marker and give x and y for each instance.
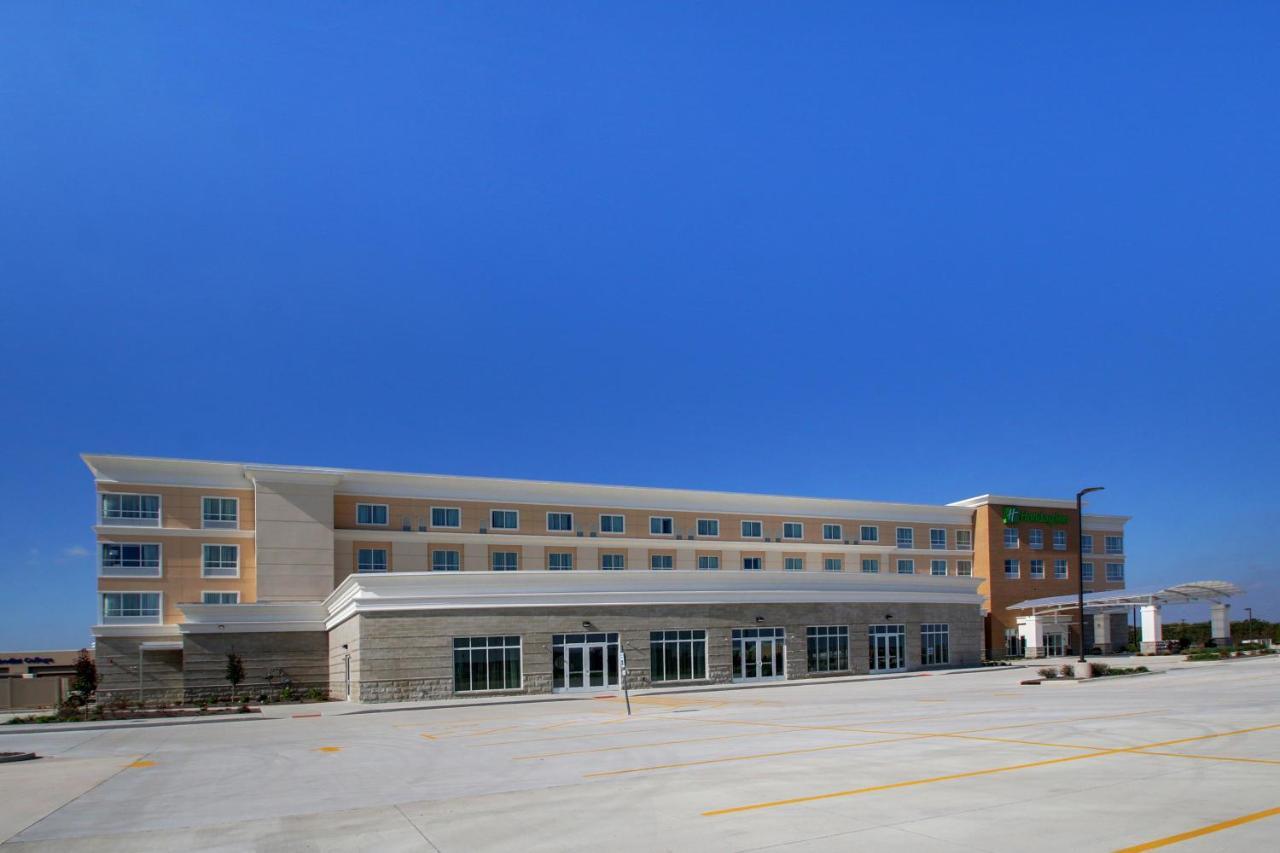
(1067, 673)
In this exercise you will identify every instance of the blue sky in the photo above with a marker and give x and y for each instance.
(899, 251)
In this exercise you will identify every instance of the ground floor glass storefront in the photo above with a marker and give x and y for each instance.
(759, 654)
(581, 662)
(677, 655)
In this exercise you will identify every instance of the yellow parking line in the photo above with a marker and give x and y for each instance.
(142, 762)
(1211, 757)
(985, 772)
(1204, 830)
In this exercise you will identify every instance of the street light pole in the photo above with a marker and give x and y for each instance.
(1080, 558)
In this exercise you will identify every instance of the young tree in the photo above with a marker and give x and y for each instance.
(235, 670)
(85, 681)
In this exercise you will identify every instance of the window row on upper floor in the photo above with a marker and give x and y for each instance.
(1061, 570)
(378, 515)
(146, 560)
(120, 509)
(1035, 541)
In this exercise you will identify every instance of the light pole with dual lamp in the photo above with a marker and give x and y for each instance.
(1080, 558)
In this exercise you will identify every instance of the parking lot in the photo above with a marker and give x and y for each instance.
(1187, 758)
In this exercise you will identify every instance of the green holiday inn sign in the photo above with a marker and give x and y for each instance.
(1017, 515)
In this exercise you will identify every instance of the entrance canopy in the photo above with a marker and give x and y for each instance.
(1120, 600)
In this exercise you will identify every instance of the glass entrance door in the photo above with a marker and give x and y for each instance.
(1055, 645)
(759, 654)
(887, 647)
(584, 662)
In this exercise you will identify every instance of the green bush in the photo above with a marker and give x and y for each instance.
(1100, 669)
(1048, 672)
(1067, 670)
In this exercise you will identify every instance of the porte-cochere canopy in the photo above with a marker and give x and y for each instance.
(1119, 600)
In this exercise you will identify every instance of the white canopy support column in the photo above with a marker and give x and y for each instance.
(1220, 623)
(1031, 631)
(1152, 628)
(1102, 631)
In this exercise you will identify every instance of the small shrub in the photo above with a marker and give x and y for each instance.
(1101, 669)
(1142, 669)
(286, 695)
(1048, 672)
(314, 695)
(1067, 670)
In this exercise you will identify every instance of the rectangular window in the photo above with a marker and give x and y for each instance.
(708, 527)
(220, 561)
(559, 522)
(792, 530)
(935, 644)
(1114, 544)
(504, 519)
(374, 515)
(793, 564)
(1060, 569)
(708, 563)
(869, 533)
(661, 525)
(446, 561)
(1086, 571)
(752, 530)
(371, 560)
(1011, 537)
(559, 561)
(828, 648)
(1037, 569)
(833, 564)
(938, 568)
(130, 608)
(906, 537)
(486, 663)
(219, 512)
(130, 560)
(505, 561)
(1012, 569)
(870, 565)
(136, 510)
(677, 655)
(1059, 540)
(219, 598)
(613, 524)
(906, 567)
(751, 564)
(613, 562)
(1035, 538)
(1086, 543)
(964, 540)
(446, 516)
(832, 532)
(964, 568)
(938, 538)
(1115, 571)
(660, 562)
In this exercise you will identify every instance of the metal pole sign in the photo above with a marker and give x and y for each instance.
(622, 672)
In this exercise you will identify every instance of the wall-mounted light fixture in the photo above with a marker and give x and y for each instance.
(586, 625)
(759, 619)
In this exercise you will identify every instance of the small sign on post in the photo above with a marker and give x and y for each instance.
(622, 673)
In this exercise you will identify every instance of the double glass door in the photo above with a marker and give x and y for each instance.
(1055, 645)
(887, 647)
(584, 662)
(759, 654)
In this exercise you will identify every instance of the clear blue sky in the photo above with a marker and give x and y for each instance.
(902, 251)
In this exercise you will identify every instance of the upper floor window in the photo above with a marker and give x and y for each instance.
(1059, 540)
(371, 514)
(559, 561)
(938, 567)
(752, 530)
(869, 533)
(1037, 569)
(1060, 570)
(964, 540)
(220, 561)
(613, 562)
(613, 524)
(371, 560)
(1086, 543)
(219, 512)
(140, 510)
(1012, 569)
(1011, 537)
(559, 522)
(792, 530)
(964, 568)
(504, 561)
(504, 519)
(751, 564)
(1086, 571)
(906, 537)
(708, 562)
(1115, 571)
(1035, 538)
(130, 560)
(660, 562)
(446, 516)
(833, 564)
(832, 532)
(870, 565)
(708, 527)
(130, 608)
(793, 564)
(445, 561)
(219, 598)
(1114, 544)
(906, 567)
(661, 525)
(938, 538)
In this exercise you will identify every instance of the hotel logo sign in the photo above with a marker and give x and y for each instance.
(1017, 515)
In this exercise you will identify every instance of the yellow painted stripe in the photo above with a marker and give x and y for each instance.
(1211, 757)
(142, 763)
(1204, 830)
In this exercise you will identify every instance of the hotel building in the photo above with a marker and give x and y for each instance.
(384, 586)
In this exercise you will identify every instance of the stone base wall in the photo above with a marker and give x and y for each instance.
(117, 659)
(408, 656)
(272, 661)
